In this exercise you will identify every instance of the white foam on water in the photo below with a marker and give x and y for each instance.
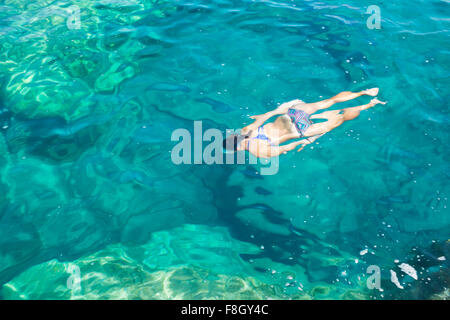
(394, 280)
(410, 271)
(363, 252)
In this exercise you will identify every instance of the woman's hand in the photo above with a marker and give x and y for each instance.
(291, 104)
(245, 129)
(252, 126)
(304, 143)
(248, 128)
(309, 140)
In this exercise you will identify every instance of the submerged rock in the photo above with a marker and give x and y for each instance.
(120, 272)
(52, 70)
(208, 266)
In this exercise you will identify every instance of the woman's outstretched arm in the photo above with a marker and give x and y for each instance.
(268, 151)
(310, 140)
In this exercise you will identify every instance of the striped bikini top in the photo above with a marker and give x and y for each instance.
(261, 136)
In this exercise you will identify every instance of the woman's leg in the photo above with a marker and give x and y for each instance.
(311, 108)
(353, 112)
(336, 118)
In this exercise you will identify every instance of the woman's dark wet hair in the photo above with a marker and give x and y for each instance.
(232, 142)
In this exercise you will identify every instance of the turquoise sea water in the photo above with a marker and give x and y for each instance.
(88, 190)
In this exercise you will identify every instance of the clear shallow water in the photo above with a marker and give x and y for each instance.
(87, 179)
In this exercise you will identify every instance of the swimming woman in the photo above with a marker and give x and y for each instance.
(294, 122)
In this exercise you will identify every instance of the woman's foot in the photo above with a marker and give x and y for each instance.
(372, 103)
(375, 101)
(371, 92)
